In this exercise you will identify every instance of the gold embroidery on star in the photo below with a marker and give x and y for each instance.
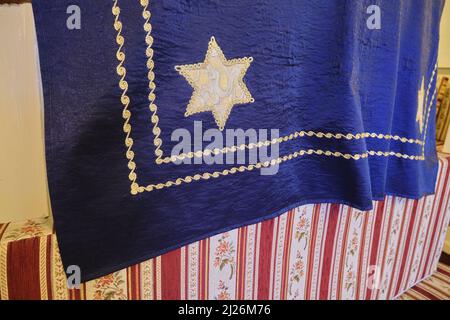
(218, 84)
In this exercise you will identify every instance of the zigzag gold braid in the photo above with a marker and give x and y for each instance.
(126, 114)
(430, 105)
(217, 174)
(4, 271)
(292, 136)
(157, 141)
(433, 75)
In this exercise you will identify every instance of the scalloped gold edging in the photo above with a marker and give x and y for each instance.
(126, 114)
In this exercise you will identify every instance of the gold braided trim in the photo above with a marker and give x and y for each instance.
(188, 71)
(157, 141)
(292, 136)
(59, 279)
(4, 271)
(280, 160)
(299, 134)
(430, 105)
(43, 267)
(125, 100)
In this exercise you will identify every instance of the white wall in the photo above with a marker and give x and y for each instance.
(23, 183)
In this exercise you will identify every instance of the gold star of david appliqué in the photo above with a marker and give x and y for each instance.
(218, 84)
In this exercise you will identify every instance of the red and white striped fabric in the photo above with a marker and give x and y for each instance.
(319, 251)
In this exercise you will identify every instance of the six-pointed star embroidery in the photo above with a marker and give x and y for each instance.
(218, 84)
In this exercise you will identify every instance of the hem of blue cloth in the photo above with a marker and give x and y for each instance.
(108, 270)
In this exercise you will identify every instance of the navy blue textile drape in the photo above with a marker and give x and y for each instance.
(340, 94)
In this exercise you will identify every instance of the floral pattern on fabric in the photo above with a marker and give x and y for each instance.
(110, 287)
(297, 271)
(302, 229)
(223, 266)
(28, 229)
(222, 291)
